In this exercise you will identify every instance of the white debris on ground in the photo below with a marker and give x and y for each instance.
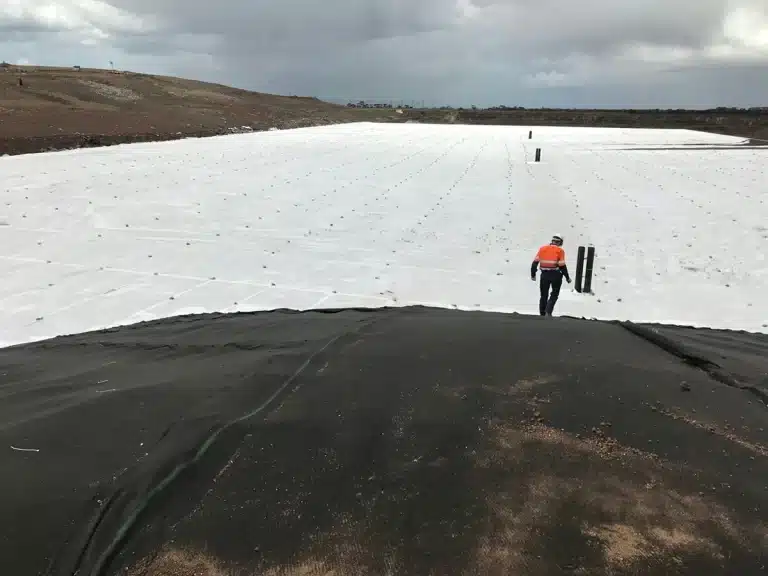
(114, 92)
(371, 215)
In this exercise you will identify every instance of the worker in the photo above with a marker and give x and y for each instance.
(551, 260)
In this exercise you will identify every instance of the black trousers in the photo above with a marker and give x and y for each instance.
(550, 280)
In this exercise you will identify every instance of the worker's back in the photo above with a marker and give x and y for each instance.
(550, 257)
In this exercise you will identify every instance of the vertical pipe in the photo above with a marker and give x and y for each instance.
(580, 268)
(589, 268)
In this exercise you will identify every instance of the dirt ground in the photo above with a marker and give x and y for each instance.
(44, 109)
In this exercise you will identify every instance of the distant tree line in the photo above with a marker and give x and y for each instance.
(364, 104)
(718, 110)
(504, 108)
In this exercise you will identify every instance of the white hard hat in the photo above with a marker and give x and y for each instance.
(557, 237)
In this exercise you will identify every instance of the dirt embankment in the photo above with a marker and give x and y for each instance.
(45, 108)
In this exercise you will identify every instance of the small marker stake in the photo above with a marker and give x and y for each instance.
(538, 154)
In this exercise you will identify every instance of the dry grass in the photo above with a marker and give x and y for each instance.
(199, 94)
(112, 92)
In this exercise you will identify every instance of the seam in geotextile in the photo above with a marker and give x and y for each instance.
(104, 560)
(715, 371)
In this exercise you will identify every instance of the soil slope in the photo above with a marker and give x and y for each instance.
(51, 108)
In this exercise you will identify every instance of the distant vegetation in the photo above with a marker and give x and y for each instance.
(757, 110)
(746, 123)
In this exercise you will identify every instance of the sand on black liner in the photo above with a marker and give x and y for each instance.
(393, 441)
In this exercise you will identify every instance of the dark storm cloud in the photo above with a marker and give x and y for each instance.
(441, 51)
(297, 22)
(10, 30)
(557, 26)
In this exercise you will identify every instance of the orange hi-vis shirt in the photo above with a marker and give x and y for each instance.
(550, 257)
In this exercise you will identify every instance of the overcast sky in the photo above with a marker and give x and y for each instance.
(612, 53)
